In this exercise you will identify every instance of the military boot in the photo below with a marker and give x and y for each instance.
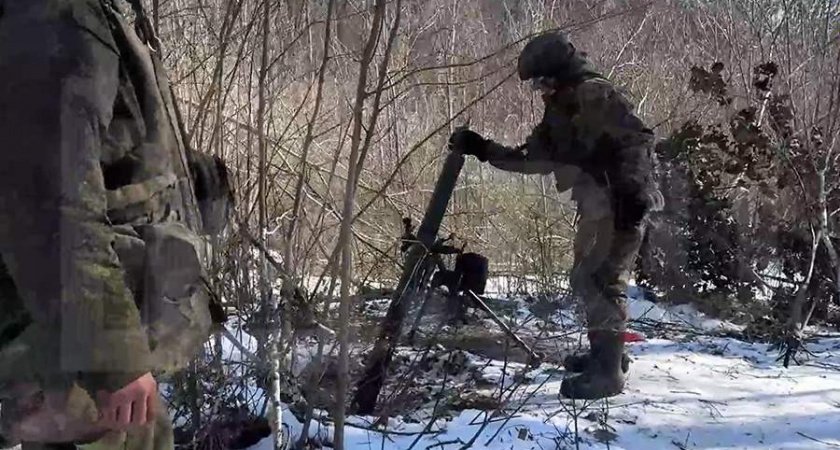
(603, 376)
(578, 362)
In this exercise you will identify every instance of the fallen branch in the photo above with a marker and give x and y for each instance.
(395, 433)
(829, 444)
(445, 443)
(434, 417)
(534, 357)
(518, 408)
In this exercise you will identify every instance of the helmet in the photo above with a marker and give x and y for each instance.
(550, 55)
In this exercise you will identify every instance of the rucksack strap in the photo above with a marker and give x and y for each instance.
(143, 26)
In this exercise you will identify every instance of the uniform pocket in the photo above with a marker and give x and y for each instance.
(175, 299)
(92, 17)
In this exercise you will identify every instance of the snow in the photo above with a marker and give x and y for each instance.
(506, 285)
(239, 346)
(713, 393)
(697, 392)
(686, 315)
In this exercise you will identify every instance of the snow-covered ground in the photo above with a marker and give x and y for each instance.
(698, 392)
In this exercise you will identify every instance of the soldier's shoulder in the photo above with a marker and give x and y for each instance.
(595, 88)
(602, 92)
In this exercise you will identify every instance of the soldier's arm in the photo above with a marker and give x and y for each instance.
(58, 81)
(532, 157)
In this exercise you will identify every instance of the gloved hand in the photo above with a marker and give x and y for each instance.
(468, 142)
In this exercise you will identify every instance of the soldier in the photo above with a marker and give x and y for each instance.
(102, 207)
(591, 140)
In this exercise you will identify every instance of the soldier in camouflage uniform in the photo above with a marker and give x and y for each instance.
(102, 208)
(594, 144)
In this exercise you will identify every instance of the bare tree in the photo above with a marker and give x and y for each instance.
(356, 161)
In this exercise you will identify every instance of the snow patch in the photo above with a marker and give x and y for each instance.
(640, 309)
(709, 392)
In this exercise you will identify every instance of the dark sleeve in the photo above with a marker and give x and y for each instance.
(532, 157)
(58, 81)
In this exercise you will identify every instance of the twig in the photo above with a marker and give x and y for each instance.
(829, 444)
(242, 349)
(686, 392)
(412, 371)
(444, 443)
(824, 365)
(518, 408)
(386, 432)
(433, 419)
(534, 358)
(503, 400)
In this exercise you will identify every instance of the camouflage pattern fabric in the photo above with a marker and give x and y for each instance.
(101, 264)
(59, 65)
(593, 143)
(156, 436)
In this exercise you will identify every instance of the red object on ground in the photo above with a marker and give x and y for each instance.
(632, 336)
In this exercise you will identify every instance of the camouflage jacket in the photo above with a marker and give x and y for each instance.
(99, 220)
(592, 141)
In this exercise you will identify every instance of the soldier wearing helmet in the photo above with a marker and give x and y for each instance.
(593, 142)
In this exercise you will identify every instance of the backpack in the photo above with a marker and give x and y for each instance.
(163, 199)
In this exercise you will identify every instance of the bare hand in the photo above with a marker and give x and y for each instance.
(133, 405)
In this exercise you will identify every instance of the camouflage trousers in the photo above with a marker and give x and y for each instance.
(603, 262)
(25, 350)
(155, 436)
(23, 361)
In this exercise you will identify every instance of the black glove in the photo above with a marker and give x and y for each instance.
(469, 142)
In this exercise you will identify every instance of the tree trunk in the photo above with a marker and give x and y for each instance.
(269, 302)
(307, 144)
(311, 384)
(344, 240)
